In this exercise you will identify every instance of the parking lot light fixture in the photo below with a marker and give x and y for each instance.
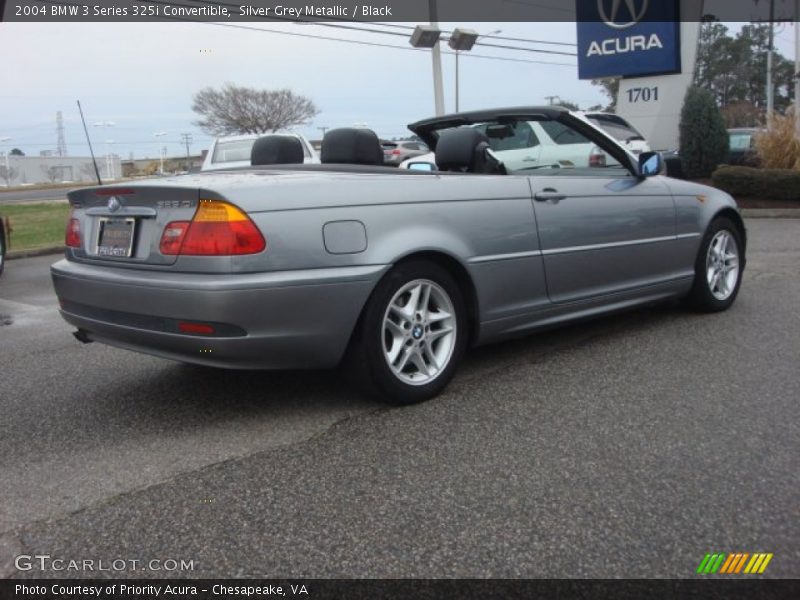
(109, 161)
(427, 36)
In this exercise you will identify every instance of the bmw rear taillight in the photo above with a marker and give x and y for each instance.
(597, 158)
(217, 229)
(396, 152)
(72, 237)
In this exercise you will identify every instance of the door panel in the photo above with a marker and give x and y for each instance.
(601, 234)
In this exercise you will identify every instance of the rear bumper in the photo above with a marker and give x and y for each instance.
(281, 320)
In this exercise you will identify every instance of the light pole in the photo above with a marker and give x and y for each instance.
(797, 68)
(105, 125)
(109, 160)
(427, 36)
(463, 40)
(770, 48)
(159, 134)
(8, 166)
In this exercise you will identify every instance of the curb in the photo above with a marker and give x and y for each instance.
(12, 254)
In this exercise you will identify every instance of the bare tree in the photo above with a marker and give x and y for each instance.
(88, 170)
(52, 173)
(235, 109)
(8, 174)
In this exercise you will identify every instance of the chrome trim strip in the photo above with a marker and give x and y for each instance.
(125, 211)
(497, 257)
(609, 245)
(515, 255)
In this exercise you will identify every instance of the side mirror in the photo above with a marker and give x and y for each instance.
(421, 166)
(650, 164)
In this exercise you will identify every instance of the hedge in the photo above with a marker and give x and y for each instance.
(772, 184)
(703, 137)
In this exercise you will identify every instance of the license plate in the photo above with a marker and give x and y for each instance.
(115, 237)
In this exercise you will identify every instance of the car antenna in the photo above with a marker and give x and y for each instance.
(94, 161)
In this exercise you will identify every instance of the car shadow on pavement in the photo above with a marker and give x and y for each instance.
(543, 343)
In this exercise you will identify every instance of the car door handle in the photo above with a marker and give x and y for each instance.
(549, 195)
(530, 159)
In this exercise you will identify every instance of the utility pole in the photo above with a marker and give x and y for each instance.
(770, 90)
(186, 138)
(61, 143)
(436, 57)
(162, 151)
(324, 129)
(797, 68)
(551, 99)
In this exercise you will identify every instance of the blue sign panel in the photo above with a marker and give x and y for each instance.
(628, 38)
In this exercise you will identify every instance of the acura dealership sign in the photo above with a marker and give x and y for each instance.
(628, 38)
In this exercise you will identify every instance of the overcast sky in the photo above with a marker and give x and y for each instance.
(142, 76)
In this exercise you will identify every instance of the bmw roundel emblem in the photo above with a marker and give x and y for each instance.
(619, 18)
(114, 204)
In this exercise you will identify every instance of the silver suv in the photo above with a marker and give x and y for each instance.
(396, 152)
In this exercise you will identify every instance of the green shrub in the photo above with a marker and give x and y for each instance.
(772, 184)
(703, 137)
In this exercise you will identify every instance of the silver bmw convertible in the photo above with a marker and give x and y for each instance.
(392, 273)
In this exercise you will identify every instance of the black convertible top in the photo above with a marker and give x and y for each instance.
(425, 129)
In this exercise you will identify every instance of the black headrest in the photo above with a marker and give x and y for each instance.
(276, 150)
(461, 149)
(350, 145)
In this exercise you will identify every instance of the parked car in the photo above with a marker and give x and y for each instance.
(672, 160)
(742, 147)
(535, 144)
(741, 151)
(391, 273)
(620, 129)
(234, 151)
(396, 152)
(5, 240)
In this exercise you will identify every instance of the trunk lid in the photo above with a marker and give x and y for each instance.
(123, 224)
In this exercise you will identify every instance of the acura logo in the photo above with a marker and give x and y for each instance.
(636, 10)
(114, 204)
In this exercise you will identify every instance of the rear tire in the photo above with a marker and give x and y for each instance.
(718, 268)
(411, 335)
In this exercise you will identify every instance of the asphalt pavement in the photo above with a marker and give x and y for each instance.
(625, 447)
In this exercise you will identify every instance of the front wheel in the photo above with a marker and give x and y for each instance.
(411, 336)
(718, 269)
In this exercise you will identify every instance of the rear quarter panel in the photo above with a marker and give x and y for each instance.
(486, 223)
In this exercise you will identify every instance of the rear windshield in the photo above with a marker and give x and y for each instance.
(238, 150)
(616, 127)
(561, 134)
(741, 141)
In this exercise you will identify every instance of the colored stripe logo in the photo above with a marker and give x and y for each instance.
(734, 563)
